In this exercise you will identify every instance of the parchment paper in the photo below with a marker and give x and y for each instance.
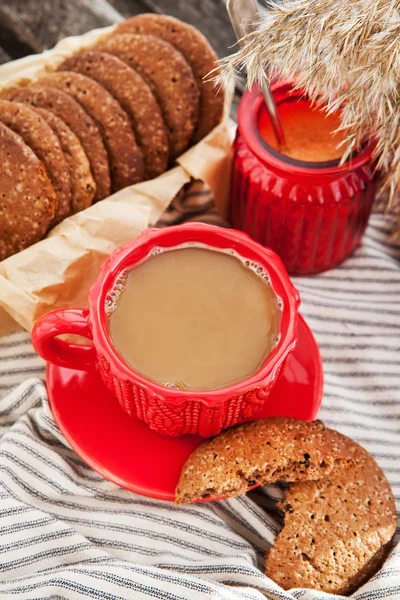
(59, 270)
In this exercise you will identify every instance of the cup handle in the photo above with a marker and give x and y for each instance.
(61, 352)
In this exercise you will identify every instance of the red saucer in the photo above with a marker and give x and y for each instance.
(133, 456)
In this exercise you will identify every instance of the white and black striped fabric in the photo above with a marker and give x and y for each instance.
(65, 532)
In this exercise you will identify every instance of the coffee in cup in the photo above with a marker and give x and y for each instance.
(194, 318)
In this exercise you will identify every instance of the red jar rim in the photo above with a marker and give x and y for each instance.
(248, 115)
(215, 237)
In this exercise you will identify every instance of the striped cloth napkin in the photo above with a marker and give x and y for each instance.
(65, 532)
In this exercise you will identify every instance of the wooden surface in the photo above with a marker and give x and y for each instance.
(30, 26)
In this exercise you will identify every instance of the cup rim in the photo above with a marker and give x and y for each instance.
(248, 113)
(214, 237)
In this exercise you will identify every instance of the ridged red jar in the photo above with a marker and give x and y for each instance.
(312, 215)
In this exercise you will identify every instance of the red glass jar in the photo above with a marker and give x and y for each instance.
(312, 214)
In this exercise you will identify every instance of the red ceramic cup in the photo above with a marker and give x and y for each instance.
(166, 410)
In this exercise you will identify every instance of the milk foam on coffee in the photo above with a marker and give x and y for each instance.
(194, 318)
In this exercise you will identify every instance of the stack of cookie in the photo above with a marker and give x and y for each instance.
(111, 116)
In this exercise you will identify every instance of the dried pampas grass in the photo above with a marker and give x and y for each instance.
(344, 52)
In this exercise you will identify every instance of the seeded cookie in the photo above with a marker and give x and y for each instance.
(126, 160)
(257, 453)
(27, 198)
(198, 53)
(83, 187)
(37, 134)
(78, 120)
(337, 531)
(135, 97)
(169, 77)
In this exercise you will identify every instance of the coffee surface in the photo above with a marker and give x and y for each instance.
(195, 318)
(309, 132)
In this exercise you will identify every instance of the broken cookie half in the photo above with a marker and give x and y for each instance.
(261, 452)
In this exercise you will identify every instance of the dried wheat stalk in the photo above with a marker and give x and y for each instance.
(344, 52)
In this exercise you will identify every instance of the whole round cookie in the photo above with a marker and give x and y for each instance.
(83, 187)
(337, 531)
(198, 53)
(258, 453)
(135, 97)
(71, 112)
(126, 160)
(170, 78)
(39, 136)
(27, 199)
